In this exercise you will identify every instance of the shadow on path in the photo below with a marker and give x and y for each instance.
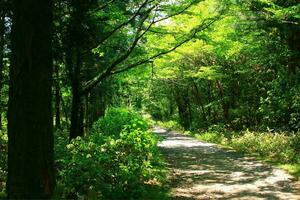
(204, 171)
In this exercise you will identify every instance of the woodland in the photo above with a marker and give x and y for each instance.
(83, 82)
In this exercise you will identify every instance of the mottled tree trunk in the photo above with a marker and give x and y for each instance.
(30, 137)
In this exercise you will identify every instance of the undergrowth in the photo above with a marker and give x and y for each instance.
(118, 160)
(279, 148)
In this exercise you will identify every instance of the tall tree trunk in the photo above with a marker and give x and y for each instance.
(199, 101)
(76, 112)
(57, 99)
(182, 101)
(30, 122)
(74, 64)
(225, 104)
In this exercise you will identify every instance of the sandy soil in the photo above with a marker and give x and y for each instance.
(204, 171)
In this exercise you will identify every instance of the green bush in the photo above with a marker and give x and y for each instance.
(280, 147)
(216, 134)
(213, 137)
(115, 120)
(275, 146)
(101, 166)
(171, 125)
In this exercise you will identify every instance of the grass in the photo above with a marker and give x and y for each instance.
(293, 169)
(278, 149)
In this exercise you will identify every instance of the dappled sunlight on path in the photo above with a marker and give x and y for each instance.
(204, 171)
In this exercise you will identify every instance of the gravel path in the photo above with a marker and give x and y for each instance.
(204, 171)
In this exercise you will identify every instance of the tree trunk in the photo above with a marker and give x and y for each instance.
(76, 112)
(225, 104)
(199, 101)
(57, 99)
(182, 101)
(30, 122)
(76, 125)
(74, 64)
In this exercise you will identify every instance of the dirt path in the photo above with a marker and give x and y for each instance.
(204, 171)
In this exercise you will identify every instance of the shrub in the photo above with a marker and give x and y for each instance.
(280, 147)
(101, 166)
(275, 146)
(215, 134)
(114, 169)
(116, 119)
(171, 125)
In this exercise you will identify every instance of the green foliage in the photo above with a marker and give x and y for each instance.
(3, 163)
(116, 119)
(171, 125)
(216, 134)
(117, 166)
(274, 146)
(279, 147)
(280, 108)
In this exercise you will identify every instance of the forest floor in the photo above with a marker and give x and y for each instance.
(205, 171)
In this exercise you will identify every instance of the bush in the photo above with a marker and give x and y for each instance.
(116, 119)
(101, 166)
(280, 147)
(216, 134)
(275, 146)
(171, 125)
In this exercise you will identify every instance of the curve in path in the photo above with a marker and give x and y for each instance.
(203, 171)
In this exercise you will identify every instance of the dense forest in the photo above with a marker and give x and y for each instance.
(83, 82)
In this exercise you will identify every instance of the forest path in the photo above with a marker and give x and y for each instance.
(203, 171)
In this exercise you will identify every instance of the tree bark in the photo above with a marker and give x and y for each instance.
(199, 101)
(30, 122)
(225, 104)
(76, 112)
(57, 100)
(182, 101)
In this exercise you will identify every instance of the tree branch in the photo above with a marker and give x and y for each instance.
(119, 27)
(194, 32)
(109, 71)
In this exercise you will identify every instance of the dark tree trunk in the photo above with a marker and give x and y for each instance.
(74, 64)
(30, 137)
(76, 112)
(75, 129)
(199, 101)
(57, 99)
(182, 101)
(225, 104)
